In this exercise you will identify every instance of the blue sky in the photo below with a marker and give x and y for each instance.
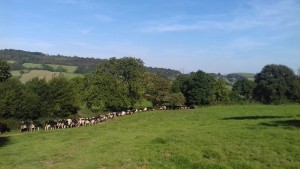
(220, 36)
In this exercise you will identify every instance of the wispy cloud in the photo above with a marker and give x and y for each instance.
(258, 14)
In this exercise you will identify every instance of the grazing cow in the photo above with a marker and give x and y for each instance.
(74, 123)
(68, 123)
(34, 125)
(3, 128)
(24, 126)
(87, 121)
(50, 124)
(61, 124)
(81, 122)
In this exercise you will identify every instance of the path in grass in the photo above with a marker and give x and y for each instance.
(254, 136)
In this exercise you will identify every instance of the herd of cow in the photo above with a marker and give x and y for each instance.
(70, 123)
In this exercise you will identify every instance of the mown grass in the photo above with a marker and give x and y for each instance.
(244, 136)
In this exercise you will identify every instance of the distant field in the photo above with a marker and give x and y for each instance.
(32, 65)
(46, 74)
(11, 61)
(238, 137)
(40, 74)
(70, 69)
(15, 73)
(247, 75)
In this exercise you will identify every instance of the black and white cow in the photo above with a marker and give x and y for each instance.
(50, 124)
(24, 126)
(34, 125)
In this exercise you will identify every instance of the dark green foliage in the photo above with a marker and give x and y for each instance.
(62, 98)
(118, 83)
(198, 89)
(42, 90)
(276, 84)
(167, 73)
(47, 67)
(85, 65)
(157, 89)
(4, 71)
(176, 99)
(16, 101)
(37, 98)
(221, 91)
(243, 89)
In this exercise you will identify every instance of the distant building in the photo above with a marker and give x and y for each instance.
(299, 71)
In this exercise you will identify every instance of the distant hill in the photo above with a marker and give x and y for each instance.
(231, 78)
(21, 60)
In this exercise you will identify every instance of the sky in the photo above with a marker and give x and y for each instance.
(215, 36)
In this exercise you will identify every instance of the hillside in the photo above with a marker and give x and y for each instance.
(238, 137)
(35, 60)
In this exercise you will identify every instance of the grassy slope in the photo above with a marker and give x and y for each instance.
(70, 69)
(46, 74)
(255, 136)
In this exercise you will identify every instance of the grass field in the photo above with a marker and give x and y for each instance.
(70, 69)
(32, 65)
(241, 137)
(47, 75)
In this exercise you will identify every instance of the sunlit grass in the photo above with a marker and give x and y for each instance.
(248, 136)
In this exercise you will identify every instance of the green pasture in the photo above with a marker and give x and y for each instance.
(238, 136)
(70, 69)
(40, 74)
(47, 75)
(32, 65)
(15, 73)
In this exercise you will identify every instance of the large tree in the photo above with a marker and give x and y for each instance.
(119, 82)
(157, 89)
(4, 71)
(16, 101)
(221, 91)
(276, 84)
(62, 98)
(198, 88)
(244, 89)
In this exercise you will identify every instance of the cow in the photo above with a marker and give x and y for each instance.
(74, 123)
(24, 126)
(34, 125)
(50, 124)
(68, 123)
(61, 123)
(81, 122)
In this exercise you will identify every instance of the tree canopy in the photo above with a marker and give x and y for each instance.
(244, 89)
(4, 71)
(276, 84)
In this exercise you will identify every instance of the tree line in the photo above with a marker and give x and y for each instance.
(84, 65)
(118, 84)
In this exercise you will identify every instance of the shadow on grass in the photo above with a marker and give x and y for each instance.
(255, 117)
(3, 141)
(290, 123)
